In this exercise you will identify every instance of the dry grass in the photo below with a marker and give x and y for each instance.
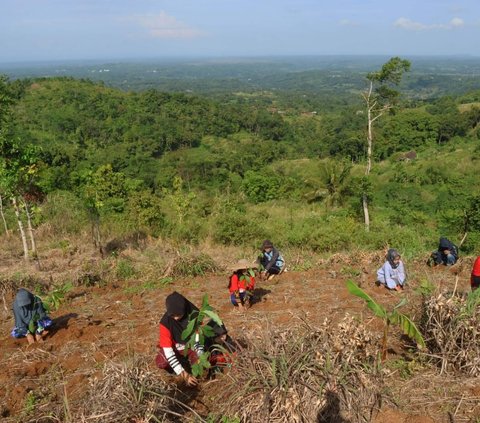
(305, 374)
(445, 398)
(130, 391)
(451, 328)
(190, 265)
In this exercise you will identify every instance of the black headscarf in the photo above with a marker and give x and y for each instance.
(445, 244)
(177, 305)
(392, 254)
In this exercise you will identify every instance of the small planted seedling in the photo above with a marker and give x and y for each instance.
(197, 331)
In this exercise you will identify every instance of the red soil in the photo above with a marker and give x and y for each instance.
(103, 323)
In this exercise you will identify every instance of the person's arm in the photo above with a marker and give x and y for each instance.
(39, 308)
(401, 273)
(166, 343)
(251, 284)
(234, 287)
(273, 260)
(391, 283)
(197, 346)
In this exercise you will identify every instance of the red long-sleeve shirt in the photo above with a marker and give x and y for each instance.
(237, 284)
(171, 348)
(475, 269)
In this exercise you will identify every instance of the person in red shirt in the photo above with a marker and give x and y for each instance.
(241, 284)
(171, 355)
(475, 276)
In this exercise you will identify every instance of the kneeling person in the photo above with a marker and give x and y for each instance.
(31, 320)
(392, 273)
(171, 345)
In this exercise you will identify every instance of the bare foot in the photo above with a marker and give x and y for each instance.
(30, 339)
(39, 337)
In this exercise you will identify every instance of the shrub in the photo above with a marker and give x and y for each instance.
(191, 265)
(261, 187)
(125, 269)
(233, 227)
(66, 213)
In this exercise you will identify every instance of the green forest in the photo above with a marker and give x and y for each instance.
(234, 166)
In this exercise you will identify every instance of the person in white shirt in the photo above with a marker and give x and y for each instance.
(392, 273)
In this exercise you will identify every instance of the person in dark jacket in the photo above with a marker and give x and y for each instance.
(31, 319)
(270, 260)
(171, 355)
(447, 253)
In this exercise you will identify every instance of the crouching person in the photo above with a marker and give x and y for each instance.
(270, 261)
(241, 285)
(447, 253)
(392, 273)
(31, 320)
(171, 355)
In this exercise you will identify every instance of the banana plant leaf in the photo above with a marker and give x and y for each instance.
(377, 309)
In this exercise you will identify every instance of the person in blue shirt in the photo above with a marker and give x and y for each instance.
(271, 261)
(392, 273)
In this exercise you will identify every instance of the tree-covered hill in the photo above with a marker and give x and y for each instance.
(190, 167)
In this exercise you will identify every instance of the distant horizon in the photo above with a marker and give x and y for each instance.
(206, 58)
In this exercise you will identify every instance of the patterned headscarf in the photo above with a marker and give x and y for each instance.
(392, 254)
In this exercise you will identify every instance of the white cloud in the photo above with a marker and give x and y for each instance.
(409, 25)
(457, 22)
(163, 25)
(348, 22)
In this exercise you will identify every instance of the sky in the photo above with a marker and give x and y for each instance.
(56, 30)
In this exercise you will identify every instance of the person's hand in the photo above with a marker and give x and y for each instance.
(189, 379)
(398, 288)
(30, 338)
(39, 337)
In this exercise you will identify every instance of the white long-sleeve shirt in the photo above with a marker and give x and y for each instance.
(391, 277)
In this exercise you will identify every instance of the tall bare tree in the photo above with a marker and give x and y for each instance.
(380, 96)
(2, 214)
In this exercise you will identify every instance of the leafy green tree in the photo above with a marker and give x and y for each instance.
(180, 200)
(380, 97)
(335, 175)
(103, 190)
(18, 168)
(409, 129)
(145, 212)
(260, 187)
